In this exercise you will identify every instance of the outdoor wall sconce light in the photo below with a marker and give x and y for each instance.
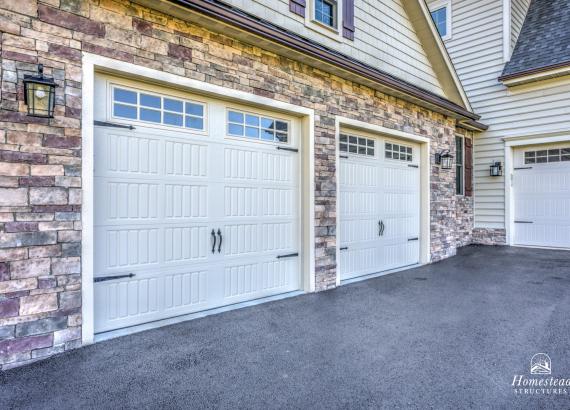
(496, 169)
(445, 159)
(39, 94)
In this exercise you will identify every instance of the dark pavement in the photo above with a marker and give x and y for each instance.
(451, 335)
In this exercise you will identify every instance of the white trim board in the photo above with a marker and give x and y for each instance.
(93, 63)
(511, 143)
(425, 211)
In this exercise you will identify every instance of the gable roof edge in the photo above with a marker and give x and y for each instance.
(436, 52)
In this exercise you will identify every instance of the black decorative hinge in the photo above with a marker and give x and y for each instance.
(289, 255)
(106, 278)
(112, 124)
(288, 149)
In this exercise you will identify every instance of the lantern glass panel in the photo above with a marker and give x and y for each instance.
(446, 161)
(40, 99)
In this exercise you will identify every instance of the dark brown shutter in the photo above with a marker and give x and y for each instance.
(297, 7)
(468, 167)
(348, 19)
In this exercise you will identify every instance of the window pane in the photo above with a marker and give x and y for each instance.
(352, 140)
(281, 126)
(409, 158)
(352, 149)
(459, 180)
(281, 137)
(267, 123)
(440, 19)
(150, 101)
(252, 120)
(389, 154)
(267, 135)
(234, 116)
(370, 143)
(196, 123)
(173, 105)
(125, 111)
(389, 146)
(173, 119)
(370, 152)
(459, 150)
(195, 109)
(395, 155)
(343, 147)
(150, 115)
(125, 96)
(252, 132)
(234, 129)
(343, 138)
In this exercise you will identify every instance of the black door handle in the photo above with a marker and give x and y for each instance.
(379, 228)
(220, 244)
(214, 237)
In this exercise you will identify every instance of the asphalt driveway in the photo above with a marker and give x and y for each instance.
(450, 335)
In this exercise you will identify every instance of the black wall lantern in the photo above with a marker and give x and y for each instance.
(445, 159)
(39, 94)
(496, 169)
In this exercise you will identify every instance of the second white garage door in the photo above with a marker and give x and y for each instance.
(195, 208)
(541, 185)
(379, 204)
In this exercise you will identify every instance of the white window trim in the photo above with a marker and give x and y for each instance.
(312, 23)
(440, 5)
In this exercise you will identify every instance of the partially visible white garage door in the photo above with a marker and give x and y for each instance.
(541, 185)
(195, 208)
(379, 204)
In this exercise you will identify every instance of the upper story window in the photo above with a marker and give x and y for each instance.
(326, 12)
(441, 15)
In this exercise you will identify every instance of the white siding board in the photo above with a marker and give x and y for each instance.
(384, 37)
(519, 9)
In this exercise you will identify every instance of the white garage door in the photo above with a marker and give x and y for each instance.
(541, 187)
(195, 208)
(379, 204)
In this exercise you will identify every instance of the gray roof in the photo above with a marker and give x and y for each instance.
(544, 39)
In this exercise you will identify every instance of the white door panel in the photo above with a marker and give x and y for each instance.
(379, 212)
(159, 194)
(542, 198)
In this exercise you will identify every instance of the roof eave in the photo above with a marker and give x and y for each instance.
(269, 33)
(536, 74)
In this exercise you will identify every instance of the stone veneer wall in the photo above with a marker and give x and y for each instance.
(40, 159)
(489, 236)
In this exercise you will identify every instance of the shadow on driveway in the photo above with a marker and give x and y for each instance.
(449, 335)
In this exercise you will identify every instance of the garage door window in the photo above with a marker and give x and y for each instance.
(157, 109)
(356, 145)
(247, 125)
(399, 152)
(545, 156)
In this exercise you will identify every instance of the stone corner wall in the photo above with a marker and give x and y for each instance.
(40, 192)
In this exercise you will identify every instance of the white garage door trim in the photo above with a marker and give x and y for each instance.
(93, 63)
(424, 168)
(511, 145)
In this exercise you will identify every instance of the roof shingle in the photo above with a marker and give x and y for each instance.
(544, 39)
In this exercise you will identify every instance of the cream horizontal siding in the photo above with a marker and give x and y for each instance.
(384, 37)
(476, 49)
(518, 14)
